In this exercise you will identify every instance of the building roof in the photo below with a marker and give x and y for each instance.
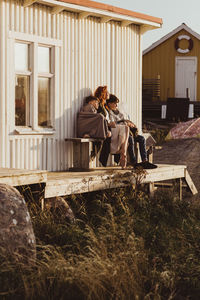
(170, 34)
(105, 12)
(113, 9)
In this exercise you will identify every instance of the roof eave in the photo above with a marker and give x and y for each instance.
(105, 12)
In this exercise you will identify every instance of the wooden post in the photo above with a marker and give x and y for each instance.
(83, 156)
(42, 204)
(151, 189)
(190, 183)
(187, 93)
(180, 189)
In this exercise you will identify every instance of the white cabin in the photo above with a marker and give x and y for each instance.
(52, 55)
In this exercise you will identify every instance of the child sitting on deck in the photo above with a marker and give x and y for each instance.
(90, 123)
(118, 117)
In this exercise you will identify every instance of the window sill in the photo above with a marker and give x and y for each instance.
(29, 131)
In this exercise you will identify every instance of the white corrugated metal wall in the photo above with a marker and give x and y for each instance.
(92, 54)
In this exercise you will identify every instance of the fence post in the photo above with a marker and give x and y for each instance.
(187, 93)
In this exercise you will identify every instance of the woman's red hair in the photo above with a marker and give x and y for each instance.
(101, 93)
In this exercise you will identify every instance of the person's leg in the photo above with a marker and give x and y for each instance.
(143, 153)
(123, 140)
(131, 150)
(105, 150)
(142, 146)
(106, 128)
(117, 158)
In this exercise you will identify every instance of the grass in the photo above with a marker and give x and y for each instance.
(123, 245)
(159, 134)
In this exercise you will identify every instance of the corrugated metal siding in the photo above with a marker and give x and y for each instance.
(93, 54)
(161, 61)
(3, 86)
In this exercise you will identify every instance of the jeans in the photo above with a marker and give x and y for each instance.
(131, 151)
(142, 146)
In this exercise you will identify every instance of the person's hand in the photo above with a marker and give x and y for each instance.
(130, 124)
(112, 124)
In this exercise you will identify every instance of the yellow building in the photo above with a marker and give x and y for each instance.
(171, 66)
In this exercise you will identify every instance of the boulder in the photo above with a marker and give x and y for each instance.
(60, 207)
(17, 238)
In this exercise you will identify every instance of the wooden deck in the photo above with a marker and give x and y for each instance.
(17, 177)
(66, 183)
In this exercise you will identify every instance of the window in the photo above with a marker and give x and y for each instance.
(34, 79)
(44, 85)
(22, 84)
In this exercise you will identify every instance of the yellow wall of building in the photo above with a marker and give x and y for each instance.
(161, 61)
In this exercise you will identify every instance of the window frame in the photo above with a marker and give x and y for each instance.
(50, 75)
(27, 73)
(34, 42)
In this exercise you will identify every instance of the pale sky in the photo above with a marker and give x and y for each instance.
(173, 13)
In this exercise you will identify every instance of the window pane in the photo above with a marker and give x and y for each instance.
(43, 60)
(22, 101)
(21, 57)
(44, 116)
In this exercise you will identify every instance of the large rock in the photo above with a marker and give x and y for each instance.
(17, 238)
(60, 207)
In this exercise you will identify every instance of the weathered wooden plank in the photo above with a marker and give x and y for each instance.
(29, 2)
(17, 177)
(165, 173)
(76, 155)
(60, 184)
(82, 150)
(180, 189)
(87, 183)
(190, 183)
(82, 140)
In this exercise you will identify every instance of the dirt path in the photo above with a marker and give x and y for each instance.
(182, 152)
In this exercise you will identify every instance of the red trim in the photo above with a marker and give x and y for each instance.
(114, 9)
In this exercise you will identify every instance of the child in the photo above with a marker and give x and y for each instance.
(118, 117)
(90, 123)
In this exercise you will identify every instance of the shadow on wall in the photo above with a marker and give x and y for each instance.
(68, 121)
(51, 151)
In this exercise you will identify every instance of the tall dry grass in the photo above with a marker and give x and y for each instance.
(123, 245)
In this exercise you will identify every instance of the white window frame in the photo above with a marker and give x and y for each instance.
(27, 73)
(34, 42)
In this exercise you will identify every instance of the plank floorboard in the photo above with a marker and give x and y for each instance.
(66, 183)
(18, 177)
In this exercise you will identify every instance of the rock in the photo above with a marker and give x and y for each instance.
(16, 232)
(60, 207)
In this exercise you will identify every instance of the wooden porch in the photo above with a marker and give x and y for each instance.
(66, 183)
(18, 177)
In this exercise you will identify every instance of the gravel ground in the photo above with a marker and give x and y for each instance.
(181, 152)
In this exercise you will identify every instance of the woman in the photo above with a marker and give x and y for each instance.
(120, 132)
(102, 94)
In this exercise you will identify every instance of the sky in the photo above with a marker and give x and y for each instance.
(172, 12)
